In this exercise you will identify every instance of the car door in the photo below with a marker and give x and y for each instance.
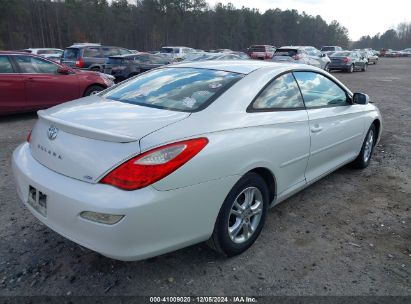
(280, 108)
(336, 125)
(44, 86)
(12, 95)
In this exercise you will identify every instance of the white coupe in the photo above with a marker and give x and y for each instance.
(188, 153)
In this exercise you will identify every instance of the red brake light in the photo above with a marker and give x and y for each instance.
(345, 59)
(153, 165)
(29, 137)
(79, 63)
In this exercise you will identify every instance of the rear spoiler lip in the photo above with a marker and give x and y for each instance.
(84, 131)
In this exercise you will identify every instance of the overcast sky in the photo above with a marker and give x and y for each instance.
(360, 17)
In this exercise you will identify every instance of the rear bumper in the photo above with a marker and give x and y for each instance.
(155, 222)
(342, 66)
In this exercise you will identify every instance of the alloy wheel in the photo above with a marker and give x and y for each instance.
(245, 215)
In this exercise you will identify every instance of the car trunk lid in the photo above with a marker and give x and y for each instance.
(86, 138)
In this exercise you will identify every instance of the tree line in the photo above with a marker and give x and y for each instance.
(397, 39)
(150, 24)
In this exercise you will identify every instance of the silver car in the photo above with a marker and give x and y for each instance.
(302, 54)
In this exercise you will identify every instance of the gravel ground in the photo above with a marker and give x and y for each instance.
(348, 234)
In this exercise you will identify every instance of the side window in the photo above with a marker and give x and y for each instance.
(35, 65)
(92, 52)
(319, 91)
(281, 93)
(5, 65)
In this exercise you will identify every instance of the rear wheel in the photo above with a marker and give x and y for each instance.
(364, 68)
(326, 68)
(241, 217)
(351, 69)
(363, 159)
(92, 90)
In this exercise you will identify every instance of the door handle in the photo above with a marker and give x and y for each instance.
(316, 129)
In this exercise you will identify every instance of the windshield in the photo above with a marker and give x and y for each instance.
(341, 54)
(286, 52)
(168, 50)
(71, 53)
(179, 89)
(327, 48)
(257, 48)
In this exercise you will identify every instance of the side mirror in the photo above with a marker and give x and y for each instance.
(323, 55)
(361, 98)
(63, 70)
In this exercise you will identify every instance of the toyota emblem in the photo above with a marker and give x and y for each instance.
(52, 132)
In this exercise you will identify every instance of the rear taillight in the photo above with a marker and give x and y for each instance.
(79, 63)
(345, 59)
(29, 137)
(153, 165)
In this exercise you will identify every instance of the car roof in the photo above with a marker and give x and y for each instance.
(237, 66)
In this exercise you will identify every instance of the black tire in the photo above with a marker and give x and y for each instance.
(94, 89)
(362, 161)
(351, 69)
(220, 239)
(364, 68)
(326, 68)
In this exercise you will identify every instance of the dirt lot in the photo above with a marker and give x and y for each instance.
(348, 234)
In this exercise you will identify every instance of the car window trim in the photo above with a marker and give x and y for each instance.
(349, 98)
(251, 109)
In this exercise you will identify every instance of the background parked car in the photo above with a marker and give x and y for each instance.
(90, 56)
(370, 56)
(330, 49)
(176, 53)
(30, 82)
(349, 61)
(261, 51)
(126, 66)
(302, 54)
(50, 53)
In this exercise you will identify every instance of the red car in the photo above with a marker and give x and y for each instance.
(29, 82)
(261, 51)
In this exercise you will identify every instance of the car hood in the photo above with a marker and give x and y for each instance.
(104, 119)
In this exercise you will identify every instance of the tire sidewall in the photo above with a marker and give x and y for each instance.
(221, 228)
(364, 164)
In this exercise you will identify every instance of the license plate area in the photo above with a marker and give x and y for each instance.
(38, 200)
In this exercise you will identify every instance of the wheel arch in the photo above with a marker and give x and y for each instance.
(92, 85)
(269, 178)
(377, 124)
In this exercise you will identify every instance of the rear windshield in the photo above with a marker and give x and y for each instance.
(71, 53)
(166, 50)
(341, 54)
(286, 52)
(327, 48)
(178, 89)
(257, 48)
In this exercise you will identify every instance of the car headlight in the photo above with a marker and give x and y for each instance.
(108, 79)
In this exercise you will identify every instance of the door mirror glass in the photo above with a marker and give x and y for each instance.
(361, 98)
